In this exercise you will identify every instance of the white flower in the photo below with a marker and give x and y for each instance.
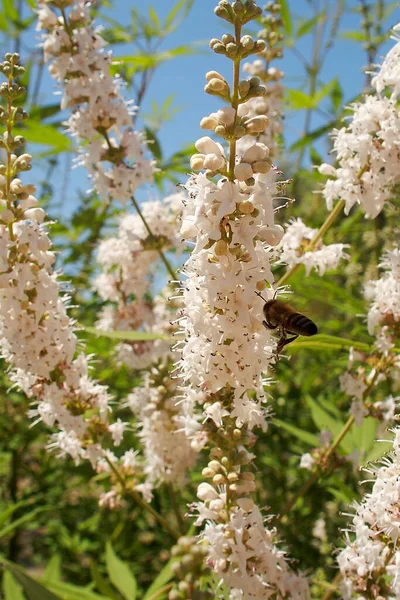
(307, 461)
(371, 556)
(293, 247)
(368, 155)
(80, 64)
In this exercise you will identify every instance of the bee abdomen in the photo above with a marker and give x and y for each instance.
(300, 324)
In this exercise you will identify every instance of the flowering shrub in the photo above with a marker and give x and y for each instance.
(174, 427)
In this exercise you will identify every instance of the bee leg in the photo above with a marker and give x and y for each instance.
(268, 325)
(284, 341)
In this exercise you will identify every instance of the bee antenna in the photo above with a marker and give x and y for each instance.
(261, 296)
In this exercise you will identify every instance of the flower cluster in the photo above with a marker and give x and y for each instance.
(384, 295)
(110, 149)
(367, 149)
(128, 261)
(167, 450)
(295, 249)
(37, 337)
(365, 371)
(226, 348)
(370, 562)
(271, 104)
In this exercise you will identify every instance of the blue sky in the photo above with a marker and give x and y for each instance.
(185, 76)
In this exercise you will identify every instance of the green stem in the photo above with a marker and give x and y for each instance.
(321, 232)
(234, 103)
(317, 472)
(165, 260)
(140, 502)
(332, 587)
(175, 507)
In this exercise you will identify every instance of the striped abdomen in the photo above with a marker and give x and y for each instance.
(299, 324)
(280, 314)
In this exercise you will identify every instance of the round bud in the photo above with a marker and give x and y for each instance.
(208, 123)
(227, 38)
(197, 162)
(214, 74)
(262, 166)
(243, 171)
(247, 42)
(220, 130)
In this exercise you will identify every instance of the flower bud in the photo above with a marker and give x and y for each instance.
(261, 166)
(220, 130)
(214, 74)
(247, 42)
(197, 162)
(271, 235)
(7, 215)
(326, 169)
(208, 146)
(243, 171)
(214, 162)
(208, 123)
(257, 124)
(36, 214)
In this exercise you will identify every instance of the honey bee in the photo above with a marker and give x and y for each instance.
(282, 315)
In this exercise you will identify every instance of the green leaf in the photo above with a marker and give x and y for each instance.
(306, 140)
(11, 589)
(10, 10)
(154, 144)
(164, 576)
(324, 420)
(355, 36)
(315, 157)
(307, 25)
(101, 584)
(120, 574)
(10, 510)
(52, 571)
(337, 96)
(154, 17)
(286, 18)
(32, 588)
(130, 336)
(24, 519)
(323, 92)
(299, 100)
(68, 591)
(183, 6)
(305, 436)
(325, 342)
(38, 133)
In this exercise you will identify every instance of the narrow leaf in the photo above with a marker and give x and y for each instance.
(323, 341)
(307, 25)
(164, 576)
(68, 591)
(101, 584)
(305, 436)
(32, 588)
(52, 571)
(286, 18)
(182, 5)
(299, 100)
(11, 589)
(24, 519)
(120, 574)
